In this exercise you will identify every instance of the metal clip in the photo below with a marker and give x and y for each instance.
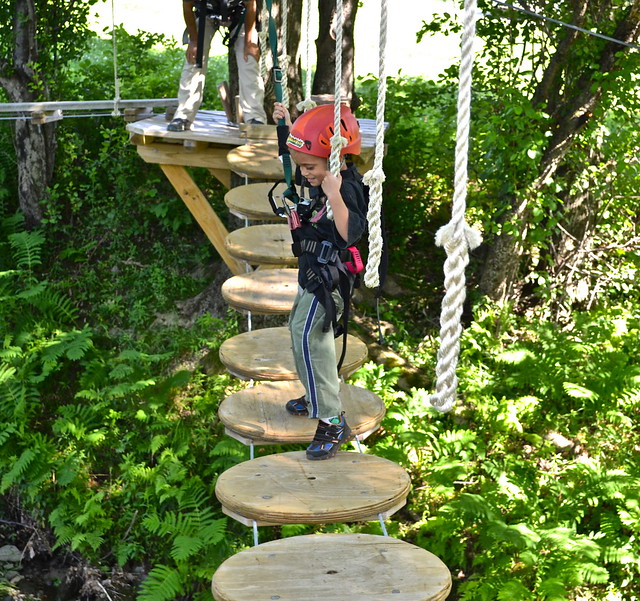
(277, 75)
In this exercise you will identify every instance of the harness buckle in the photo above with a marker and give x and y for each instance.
(326, 252)
(277, 75)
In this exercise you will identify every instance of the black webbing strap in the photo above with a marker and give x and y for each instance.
(202, 24)
(277, 85)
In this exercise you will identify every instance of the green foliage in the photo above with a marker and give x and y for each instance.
(530, 491)
(71, 413)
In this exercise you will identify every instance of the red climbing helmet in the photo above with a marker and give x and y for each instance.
(312, 131)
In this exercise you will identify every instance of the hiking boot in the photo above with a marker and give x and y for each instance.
(328, 439)
(298, 407)
(179, 124)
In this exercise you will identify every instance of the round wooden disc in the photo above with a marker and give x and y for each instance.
(288, 488)
(319, 567)
(264, 291)
(266, 354)
(252, 201)
(258, 413)
(259, 160)
(265, 244)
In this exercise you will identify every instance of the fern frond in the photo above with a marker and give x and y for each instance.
(162, 584)
(18, 468)
(26, 247)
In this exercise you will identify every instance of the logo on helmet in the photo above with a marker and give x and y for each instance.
(295, 142)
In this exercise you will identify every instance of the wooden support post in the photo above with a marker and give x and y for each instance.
(203, 213)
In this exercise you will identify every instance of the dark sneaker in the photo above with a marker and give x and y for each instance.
(328, 439)
(179, 125)
(254, 122)
(298, 407)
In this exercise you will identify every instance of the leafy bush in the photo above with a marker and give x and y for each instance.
(114, 448)
(530, 489)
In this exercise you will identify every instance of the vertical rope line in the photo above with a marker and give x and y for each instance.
(284, 57)
(337, 141)
(307, 103)
(116, 81)
(456, 237)
(263, 35)
(375, 177)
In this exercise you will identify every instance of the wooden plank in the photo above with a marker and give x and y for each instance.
(287, 488)
(210, 157)
(202, 211)
(258, 160)
(266, 354)
(322, 567)
(264, 244)
(267, 291)
(222, 175)
(251, 201)
(258, 413)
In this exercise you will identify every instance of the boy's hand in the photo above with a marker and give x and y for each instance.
(280, 112)
(331, 185)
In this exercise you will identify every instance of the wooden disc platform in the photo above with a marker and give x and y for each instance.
(266, 354)
(339, 567)
(265, 291)
(257, 415)
(258, 160)
(265, 244)
(251, 201)
(288, 488)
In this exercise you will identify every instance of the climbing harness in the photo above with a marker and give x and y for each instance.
(225, 13)
(456, 237)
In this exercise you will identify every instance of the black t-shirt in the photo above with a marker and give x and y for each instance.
(321, 228)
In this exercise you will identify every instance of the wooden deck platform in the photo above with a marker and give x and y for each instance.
(266, 354)
(207, 145)
(263, 291)
(287, 488)
(337, 567)
(257, 415)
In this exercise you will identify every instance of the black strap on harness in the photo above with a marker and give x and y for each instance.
(225, 15)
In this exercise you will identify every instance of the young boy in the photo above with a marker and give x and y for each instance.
(321, 246)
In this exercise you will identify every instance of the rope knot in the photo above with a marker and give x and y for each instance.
(451, 237)
(338, 141)
(373, 176)
(306, 104)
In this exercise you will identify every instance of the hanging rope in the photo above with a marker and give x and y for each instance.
(116, 81)
(307, 103)
(337, 141)
(284, 57)
(375, 177)
(263, 36)
(456, 237)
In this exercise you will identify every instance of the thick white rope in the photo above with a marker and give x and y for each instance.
(284, 57)
(337, 141)
(375, 177)
(307, 103)
(457, 237)
(116, 81)
(263, 37)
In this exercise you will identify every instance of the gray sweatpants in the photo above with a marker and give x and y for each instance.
(314, 352)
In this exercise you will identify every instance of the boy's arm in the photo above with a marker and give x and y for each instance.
(331, 187)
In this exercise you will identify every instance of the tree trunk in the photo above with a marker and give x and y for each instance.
(505, 256)
(324, 80)
(35, 145)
